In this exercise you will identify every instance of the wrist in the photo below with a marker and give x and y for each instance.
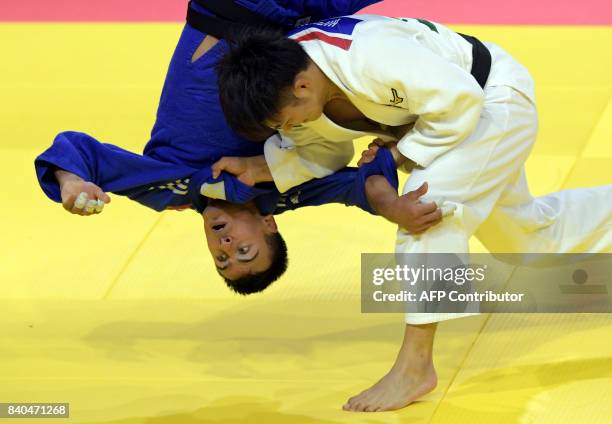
(381, 198)
(389, 209)
(63, 176)
(260, 166)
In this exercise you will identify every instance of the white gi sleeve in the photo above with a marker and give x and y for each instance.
(292, 164)
(446, 99)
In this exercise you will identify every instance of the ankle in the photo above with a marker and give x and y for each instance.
(414, 368)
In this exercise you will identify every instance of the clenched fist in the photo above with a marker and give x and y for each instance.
(79, 196)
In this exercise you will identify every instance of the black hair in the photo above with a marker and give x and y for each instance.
(254, 76)
(255, 283)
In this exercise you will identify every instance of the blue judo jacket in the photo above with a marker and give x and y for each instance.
(190, 134)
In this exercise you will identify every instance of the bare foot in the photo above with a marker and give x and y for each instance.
(395, 390)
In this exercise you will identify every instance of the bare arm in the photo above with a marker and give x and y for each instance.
(406, 210)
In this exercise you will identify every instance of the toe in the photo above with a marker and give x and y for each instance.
(353, 402)
(360, 407)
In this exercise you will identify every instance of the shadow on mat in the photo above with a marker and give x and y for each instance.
(230, 410)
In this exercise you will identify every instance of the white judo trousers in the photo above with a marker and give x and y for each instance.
(484, 176)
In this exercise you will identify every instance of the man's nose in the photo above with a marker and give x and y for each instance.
(226, 241)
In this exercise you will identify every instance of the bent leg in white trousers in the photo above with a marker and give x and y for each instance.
(568, 221)
(484, 177)
(473, 176)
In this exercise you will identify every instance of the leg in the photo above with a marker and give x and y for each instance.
(472, 176)
(568, 221)
(411, 377)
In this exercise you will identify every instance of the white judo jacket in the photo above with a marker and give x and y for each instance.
(397, 72)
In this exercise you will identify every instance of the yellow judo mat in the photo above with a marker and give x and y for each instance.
(123, 316)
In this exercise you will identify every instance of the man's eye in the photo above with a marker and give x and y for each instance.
(243, 250)
(221, 258)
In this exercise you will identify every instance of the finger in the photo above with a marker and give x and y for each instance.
(99, 206)
(364, 160)
(424, 226)
(80, 201)
(431, 217)
(426, 208)
(366, 157)
(68, 204)
(90, 206)
(103, 197)
(414, 195)
(218, 167)
(426, 219)
(77, 211)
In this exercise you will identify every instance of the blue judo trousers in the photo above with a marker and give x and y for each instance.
(190, 134)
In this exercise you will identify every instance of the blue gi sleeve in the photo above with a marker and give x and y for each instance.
(285, 12)
(149, 181)
(346, 186)
(111, 168)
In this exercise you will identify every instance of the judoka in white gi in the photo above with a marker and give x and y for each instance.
(463, 112)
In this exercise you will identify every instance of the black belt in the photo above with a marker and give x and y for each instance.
(481, 60)
(230, 18)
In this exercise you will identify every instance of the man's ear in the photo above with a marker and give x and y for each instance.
(270, 223)
(302, 85)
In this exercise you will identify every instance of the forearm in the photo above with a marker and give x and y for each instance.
(260, 169)
(381, 196)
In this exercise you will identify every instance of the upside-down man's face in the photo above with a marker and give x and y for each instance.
(236, 238)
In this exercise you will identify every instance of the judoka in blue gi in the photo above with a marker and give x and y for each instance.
(189, 135)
